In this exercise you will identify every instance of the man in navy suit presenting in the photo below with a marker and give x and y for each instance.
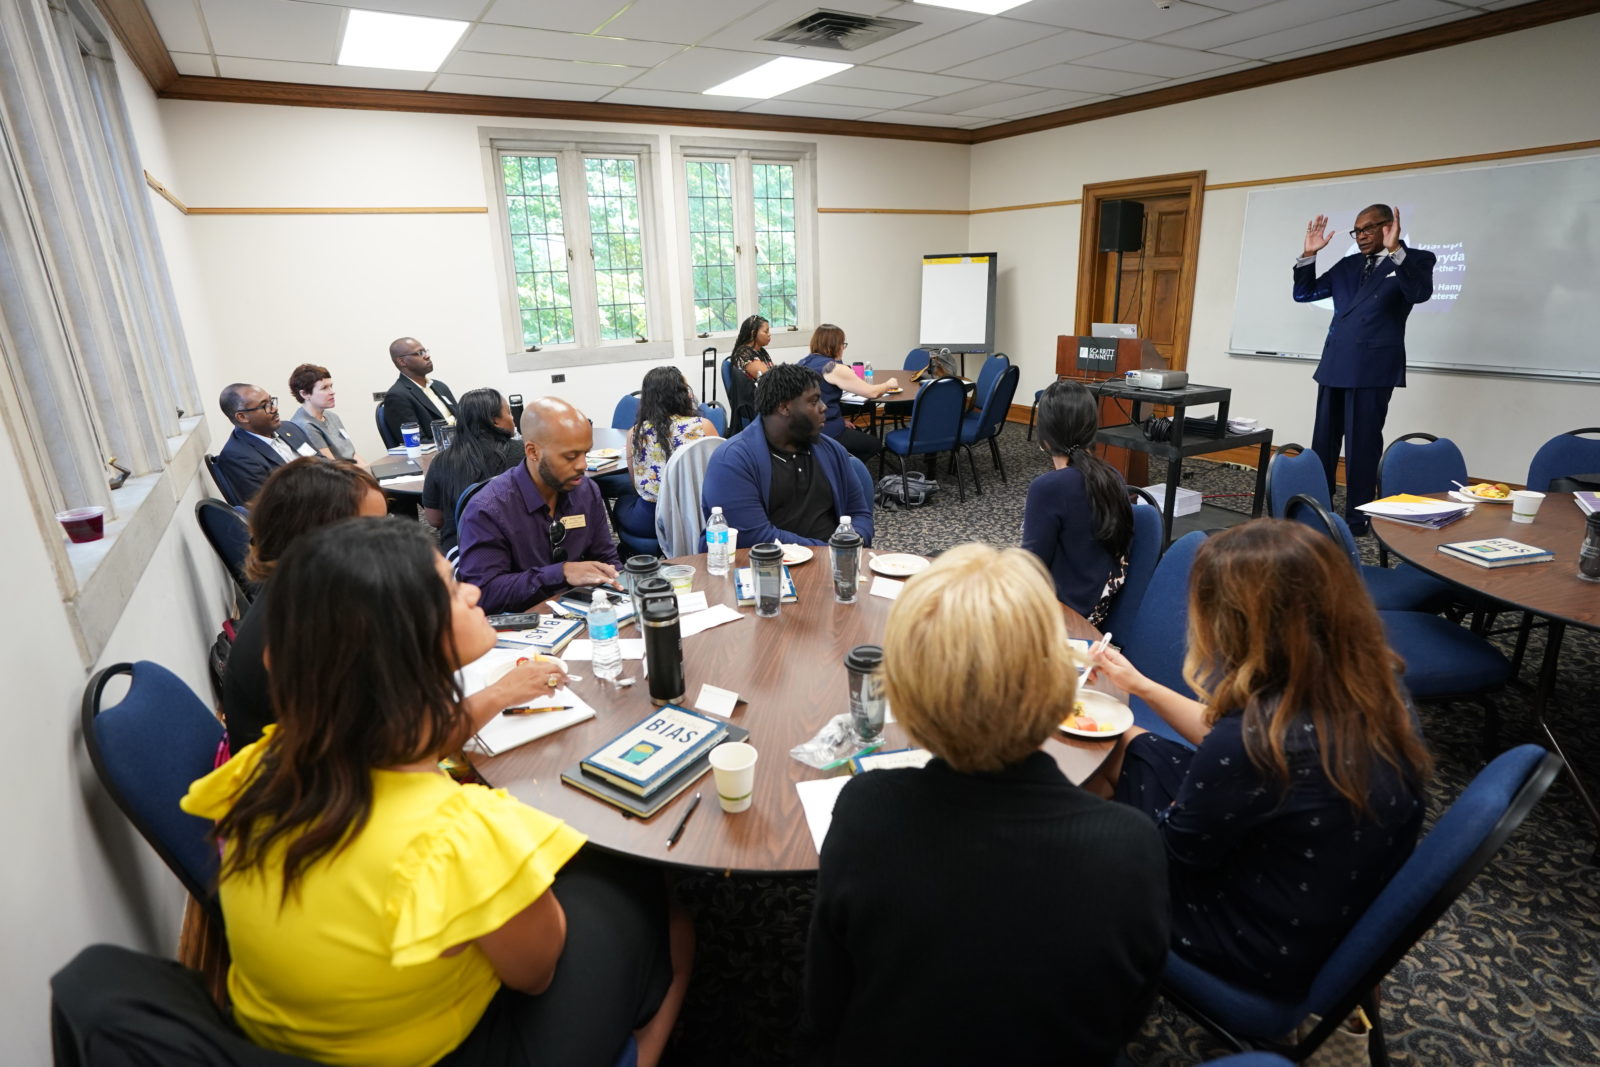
(1364, 357)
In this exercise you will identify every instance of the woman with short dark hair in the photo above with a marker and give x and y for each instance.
(1077, 519)
(483, 447)
(312, 387)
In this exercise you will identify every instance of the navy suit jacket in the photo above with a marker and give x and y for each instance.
(246, 461)
(1366, 345)
(406, 402)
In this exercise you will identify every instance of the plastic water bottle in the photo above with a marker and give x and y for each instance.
(868, 375)
(717, 543)
(603, 638)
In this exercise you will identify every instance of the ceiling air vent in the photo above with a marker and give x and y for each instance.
(838, 29)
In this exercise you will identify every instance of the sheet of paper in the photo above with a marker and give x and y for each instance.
(581, 649)
(505, 732)
(701, 621)
(688, 603)
(714, 701)
(405, 481)
(817, 797)
(887, 588)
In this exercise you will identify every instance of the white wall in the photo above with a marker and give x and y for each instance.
(1537, 87)
(336, 289)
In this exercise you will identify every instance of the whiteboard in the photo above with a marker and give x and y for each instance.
(1516, 290)
(958, 301)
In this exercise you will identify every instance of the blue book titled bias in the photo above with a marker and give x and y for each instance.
(651, 752)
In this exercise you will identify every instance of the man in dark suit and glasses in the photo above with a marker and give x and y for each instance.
(1364, 357)
(413, 397)
(260, 442)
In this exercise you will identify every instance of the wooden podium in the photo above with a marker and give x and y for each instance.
(1095, 359)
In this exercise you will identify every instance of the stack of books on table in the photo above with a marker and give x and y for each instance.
(744, 588)
(1588, 503)
(1496, 552)
(652, 761)
(1424, 511)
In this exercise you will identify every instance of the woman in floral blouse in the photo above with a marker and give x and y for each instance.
(668, 419)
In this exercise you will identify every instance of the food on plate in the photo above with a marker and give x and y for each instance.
(1082, 720)
(1494, 490)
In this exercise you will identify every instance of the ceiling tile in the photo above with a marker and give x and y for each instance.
(697, 69)
(517, 41)
(194, 65)
(274, 29)
(1236, 5)
(666, 98)
(1134, 19)
(1283, 15)
(485, 64)
(825, 92)
(1365, 37)
(807, 110)
(929, 22)
(1057, 48)
(278, 70)
(675, 22)
(1049, 100)
(554, 14)
(918, 118)
(1500, 5)
(1203, 75)
(1084, 79)
(463, 10)
(1337, 29)
(534, 90)
(1145, 58)
(956, 103)
(180, 25)
(975, 41)
(901, 81)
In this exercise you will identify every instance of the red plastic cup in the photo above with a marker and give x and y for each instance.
(83, 524)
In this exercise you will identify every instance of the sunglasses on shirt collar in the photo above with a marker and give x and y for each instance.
(558, 534)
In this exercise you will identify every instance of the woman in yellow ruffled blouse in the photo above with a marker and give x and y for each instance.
(378, 912)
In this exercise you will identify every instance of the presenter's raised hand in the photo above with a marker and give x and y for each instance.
(1391, 233)
(1316, 239)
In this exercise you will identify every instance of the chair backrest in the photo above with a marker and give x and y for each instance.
(1158, 639)
(461, 501)
(1445, 862)
(680, 520)
(864, 476)
(1564, 455)
(385, 434)
(1292, 474)
(997, 405)
(916, 359)
(988, 374)
(936, 416)
(716, 416)
(146, 750)
(727, 378)
(221, 482)
(1420, 463)
(1308, 511)
(1144, 552)
(228, 533)
(626, 413)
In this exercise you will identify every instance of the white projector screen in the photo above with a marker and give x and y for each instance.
(958, 301)
(1516, 289)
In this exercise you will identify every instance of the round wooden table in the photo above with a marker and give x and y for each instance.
(789, 673)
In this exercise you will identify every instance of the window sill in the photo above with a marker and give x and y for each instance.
(800, 339)
(106, 572)
(557, 358)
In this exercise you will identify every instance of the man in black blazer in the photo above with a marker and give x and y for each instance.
(260, 442)
(412, 397)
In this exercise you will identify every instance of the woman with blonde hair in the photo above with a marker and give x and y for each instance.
(1304, 795)
(1036, 912)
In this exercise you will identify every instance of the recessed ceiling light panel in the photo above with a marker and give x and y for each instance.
(397, 42)
(777, 77)
(977, 7)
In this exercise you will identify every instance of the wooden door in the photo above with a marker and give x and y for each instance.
(1152, 278)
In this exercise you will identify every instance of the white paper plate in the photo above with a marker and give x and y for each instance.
(1484, 499)
(1106, 710)
(794, 555)
(604, 453)
(899, 564)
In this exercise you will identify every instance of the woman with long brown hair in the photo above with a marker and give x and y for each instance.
(377, 911)
(1304, 793)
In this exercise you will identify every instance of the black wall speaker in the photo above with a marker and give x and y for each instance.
(1121, 225)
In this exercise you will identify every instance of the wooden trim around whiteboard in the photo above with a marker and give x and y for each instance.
(1421, 164)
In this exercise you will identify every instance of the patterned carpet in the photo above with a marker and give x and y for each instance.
(1510, 975)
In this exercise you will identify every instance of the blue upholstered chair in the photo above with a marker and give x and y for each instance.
(1251, 1059)
(1158, 638)
(717, 417)
(221, 482)
(727, 377)
(384, 433)
(1420, 463)
(146, 749)
(935, 428)
(916, 359)
(986, 423)
(864, 478)
(626, 413)
(1295, 473)
(1144, 552)
(227, 531)
(989, 375)
(1461, 844)
(1562, 456)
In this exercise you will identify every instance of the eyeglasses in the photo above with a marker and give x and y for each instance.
(558, 534)
(421, 352)
(269, 404)
(844, 344)
(1372, 227)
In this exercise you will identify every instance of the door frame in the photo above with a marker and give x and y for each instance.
(1091, 266)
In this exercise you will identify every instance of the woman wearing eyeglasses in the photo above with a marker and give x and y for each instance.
(380, 913)
(827, 359)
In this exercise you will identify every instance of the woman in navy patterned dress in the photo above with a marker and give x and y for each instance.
(1303, 795)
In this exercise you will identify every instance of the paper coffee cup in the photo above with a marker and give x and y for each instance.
(1525, 505)
(733, 764)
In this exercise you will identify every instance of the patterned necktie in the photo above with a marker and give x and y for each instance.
(1366, 272)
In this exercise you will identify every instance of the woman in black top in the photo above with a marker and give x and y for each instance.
(748, 363)
(1304, 795)
(483, 448)
(1077, 519)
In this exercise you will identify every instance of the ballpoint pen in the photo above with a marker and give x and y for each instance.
(677, 831)
(537, 708)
